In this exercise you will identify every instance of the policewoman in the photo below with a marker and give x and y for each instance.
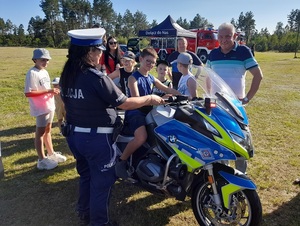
(90, 100)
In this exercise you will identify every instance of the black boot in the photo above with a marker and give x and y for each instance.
(84, 219)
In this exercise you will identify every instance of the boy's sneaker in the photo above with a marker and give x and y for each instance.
(46, 164)
(57, 157)
(297, 181)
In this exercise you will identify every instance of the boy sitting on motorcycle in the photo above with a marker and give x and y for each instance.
(140, 83)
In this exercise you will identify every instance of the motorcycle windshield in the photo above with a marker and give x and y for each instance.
(211, 85)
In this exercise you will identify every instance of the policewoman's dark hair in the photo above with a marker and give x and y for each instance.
(78, 60)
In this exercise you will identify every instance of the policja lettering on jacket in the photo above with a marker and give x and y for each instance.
(74, 93)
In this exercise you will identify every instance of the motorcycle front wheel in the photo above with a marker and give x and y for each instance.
(245, 208)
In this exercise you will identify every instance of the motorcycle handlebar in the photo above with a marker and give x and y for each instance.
(176, 99)
(181, 99)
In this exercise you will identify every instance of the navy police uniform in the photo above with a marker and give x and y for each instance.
(90, 104)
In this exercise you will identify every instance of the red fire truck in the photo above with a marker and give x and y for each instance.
(206, 41)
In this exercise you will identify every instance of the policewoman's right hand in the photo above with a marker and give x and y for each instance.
(156, 100)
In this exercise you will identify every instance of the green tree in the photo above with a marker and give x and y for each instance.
(119, 25)
(139, 22)
(52, 16)
(199, 22)
(2, 26)
(68, 14)
(273, 42)
(9, 27)
(234, 23)
(154, 23)
(279, 30)
(183, 23)
(104, 13)
(21, 35)
(246, 23)
(76, 13)
(36, 29)
(128, 30)
(294, 22)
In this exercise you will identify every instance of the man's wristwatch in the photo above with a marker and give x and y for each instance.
(246, 100)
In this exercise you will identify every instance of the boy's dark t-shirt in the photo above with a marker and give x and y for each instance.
(124, 75)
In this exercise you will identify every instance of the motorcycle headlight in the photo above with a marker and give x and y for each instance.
(210, 128)
(245, 142)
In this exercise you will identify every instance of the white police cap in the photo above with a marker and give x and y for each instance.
(88, 37)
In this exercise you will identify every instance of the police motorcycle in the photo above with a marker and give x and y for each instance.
(188, 143)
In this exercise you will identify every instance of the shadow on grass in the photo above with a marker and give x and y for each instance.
(286, 215)
(132, 211)
(18, 131)
(28, 198)
(15, 143)
(18, 144)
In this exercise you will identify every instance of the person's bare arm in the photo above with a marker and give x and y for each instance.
(170, 74)
(132, 85)
(114, 74)
(192, 86)
(257, 77)
(165, 88)
(137, 102)
(35, 93)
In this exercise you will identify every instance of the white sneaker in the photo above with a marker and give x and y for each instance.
(46, 164)
(57, 157)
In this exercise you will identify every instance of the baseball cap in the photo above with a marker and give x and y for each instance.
(184, 58)
(88, 37)
(41, 54)
(55, 81)
(162, 62)
(128, 55)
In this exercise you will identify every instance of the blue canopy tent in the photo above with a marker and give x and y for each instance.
(167, 28)
(164, 36)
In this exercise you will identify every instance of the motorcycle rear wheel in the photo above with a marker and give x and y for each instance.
(245, 208)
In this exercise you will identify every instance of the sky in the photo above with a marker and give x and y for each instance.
(266, 12)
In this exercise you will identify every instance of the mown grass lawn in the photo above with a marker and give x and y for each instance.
(32, 197)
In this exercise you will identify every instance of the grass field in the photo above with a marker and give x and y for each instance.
(32, 197)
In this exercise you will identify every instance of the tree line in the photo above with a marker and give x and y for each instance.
(63, 15)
